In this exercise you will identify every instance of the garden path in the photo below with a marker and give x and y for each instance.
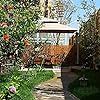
(56, 88)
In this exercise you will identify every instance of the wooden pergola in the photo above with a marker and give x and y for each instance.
(53, 26)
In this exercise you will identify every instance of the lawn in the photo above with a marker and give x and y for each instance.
(24, 83)
(89, 92)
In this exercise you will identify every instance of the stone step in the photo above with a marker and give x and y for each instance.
(49, 92)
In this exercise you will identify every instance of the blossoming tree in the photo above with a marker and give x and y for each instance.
(18, 22)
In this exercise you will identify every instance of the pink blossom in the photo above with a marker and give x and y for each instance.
(12, 89)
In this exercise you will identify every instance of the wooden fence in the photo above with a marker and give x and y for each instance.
(54, 54)
(57, 52)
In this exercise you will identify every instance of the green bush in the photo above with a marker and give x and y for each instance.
(24, 83)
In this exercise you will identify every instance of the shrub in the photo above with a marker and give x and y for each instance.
(24, 82)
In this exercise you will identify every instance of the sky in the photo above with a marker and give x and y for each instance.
(97, 3)
(79, 12)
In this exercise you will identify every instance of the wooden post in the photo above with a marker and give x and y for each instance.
(77, 44)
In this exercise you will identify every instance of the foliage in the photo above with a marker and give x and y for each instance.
(89, 34)
(18, 21)
(63, 10)
(24, 82)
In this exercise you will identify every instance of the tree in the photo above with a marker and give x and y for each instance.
(89, 35)
(63, 10)
(18, 22)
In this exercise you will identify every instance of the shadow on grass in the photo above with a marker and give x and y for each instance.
(92, 90)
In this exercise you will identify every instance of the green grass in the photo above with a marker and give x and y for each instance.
(24, 82)
(85, 91)
(92, 90)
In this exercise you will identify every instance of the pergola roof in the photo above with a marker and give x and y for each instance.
(52, 26)
(49, 27)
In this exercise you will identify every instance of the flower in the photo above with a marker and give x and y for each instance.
(37, 49)
(10, 7)
(26, 42)
(12, 89)
(4, 25)
(6, 37)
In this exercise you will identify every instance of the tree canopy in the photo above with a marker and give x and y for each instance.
(18, 20)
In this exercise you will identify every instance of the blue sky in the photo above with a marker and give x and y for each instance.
(97, 3)
(77, 2)
(79, 12)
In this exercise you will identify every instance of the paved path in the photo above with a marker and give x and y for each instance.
(56, 88)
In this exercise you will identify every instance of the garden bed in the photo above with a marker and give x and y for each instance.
(24, 83)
